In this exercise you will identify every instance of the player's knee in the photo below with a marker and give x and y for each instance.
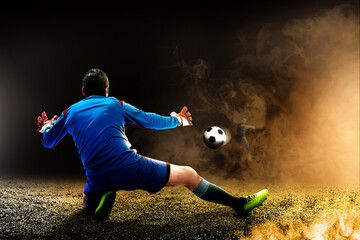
(189, 171)
(191, 175)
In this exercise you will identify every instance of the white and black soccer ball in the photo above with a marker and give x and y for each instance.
(214, 137)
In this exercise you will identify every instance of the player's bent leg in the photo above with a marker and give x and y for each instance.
(91, 202)
(103, 210)
(99, 205)
(98, 197)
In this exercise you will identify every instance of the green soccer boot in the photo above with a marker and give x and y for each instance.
(103, 210)
(251, 201)
(91, 202)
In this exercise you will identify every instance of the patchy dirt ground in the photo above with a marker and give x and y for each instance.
(52, 209)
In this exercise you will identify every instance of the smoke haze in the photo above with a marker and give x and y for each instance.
(291, 69)
(298, 83)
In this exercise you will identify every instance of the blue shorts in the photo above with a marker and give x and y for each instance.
(147, 174)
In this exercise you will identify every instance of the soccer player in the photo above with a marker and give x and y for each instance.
(97, 125)
(241, 129)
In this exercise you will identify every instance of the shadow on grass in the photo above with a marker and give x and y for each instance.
(204, 226)
(81, 225)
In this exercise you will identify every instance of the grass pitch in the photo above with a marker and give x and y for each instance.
(52, 209)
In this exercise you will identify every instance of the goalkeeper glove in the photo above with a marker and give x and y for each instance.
(184, 117)
(44, 123)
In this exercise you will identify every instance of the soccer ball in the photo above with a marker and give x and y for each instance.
(214, 137)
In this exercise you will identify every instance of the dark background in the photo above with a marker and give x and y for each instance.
(45, 50)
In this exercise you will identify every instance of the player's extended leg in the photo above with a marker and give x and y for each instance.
(188, 177)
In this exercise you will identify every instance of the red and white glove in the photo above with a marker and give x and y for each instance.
(184, 117)
(43, 122)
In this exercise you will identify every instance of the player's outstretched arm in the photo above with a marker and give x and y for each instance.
(248, 126)
(150, 120)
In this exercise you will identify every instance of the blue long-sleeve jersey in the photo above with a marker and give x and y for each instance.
(97, 125)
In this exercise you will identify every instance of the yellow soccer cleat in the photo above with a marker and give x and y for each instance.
(251, 202)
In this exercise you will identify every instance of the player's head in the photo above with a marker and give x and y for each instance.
(243, 120)
(95, 82)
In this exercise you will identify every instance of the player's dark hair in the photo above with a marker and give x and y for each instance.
(95, 82)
